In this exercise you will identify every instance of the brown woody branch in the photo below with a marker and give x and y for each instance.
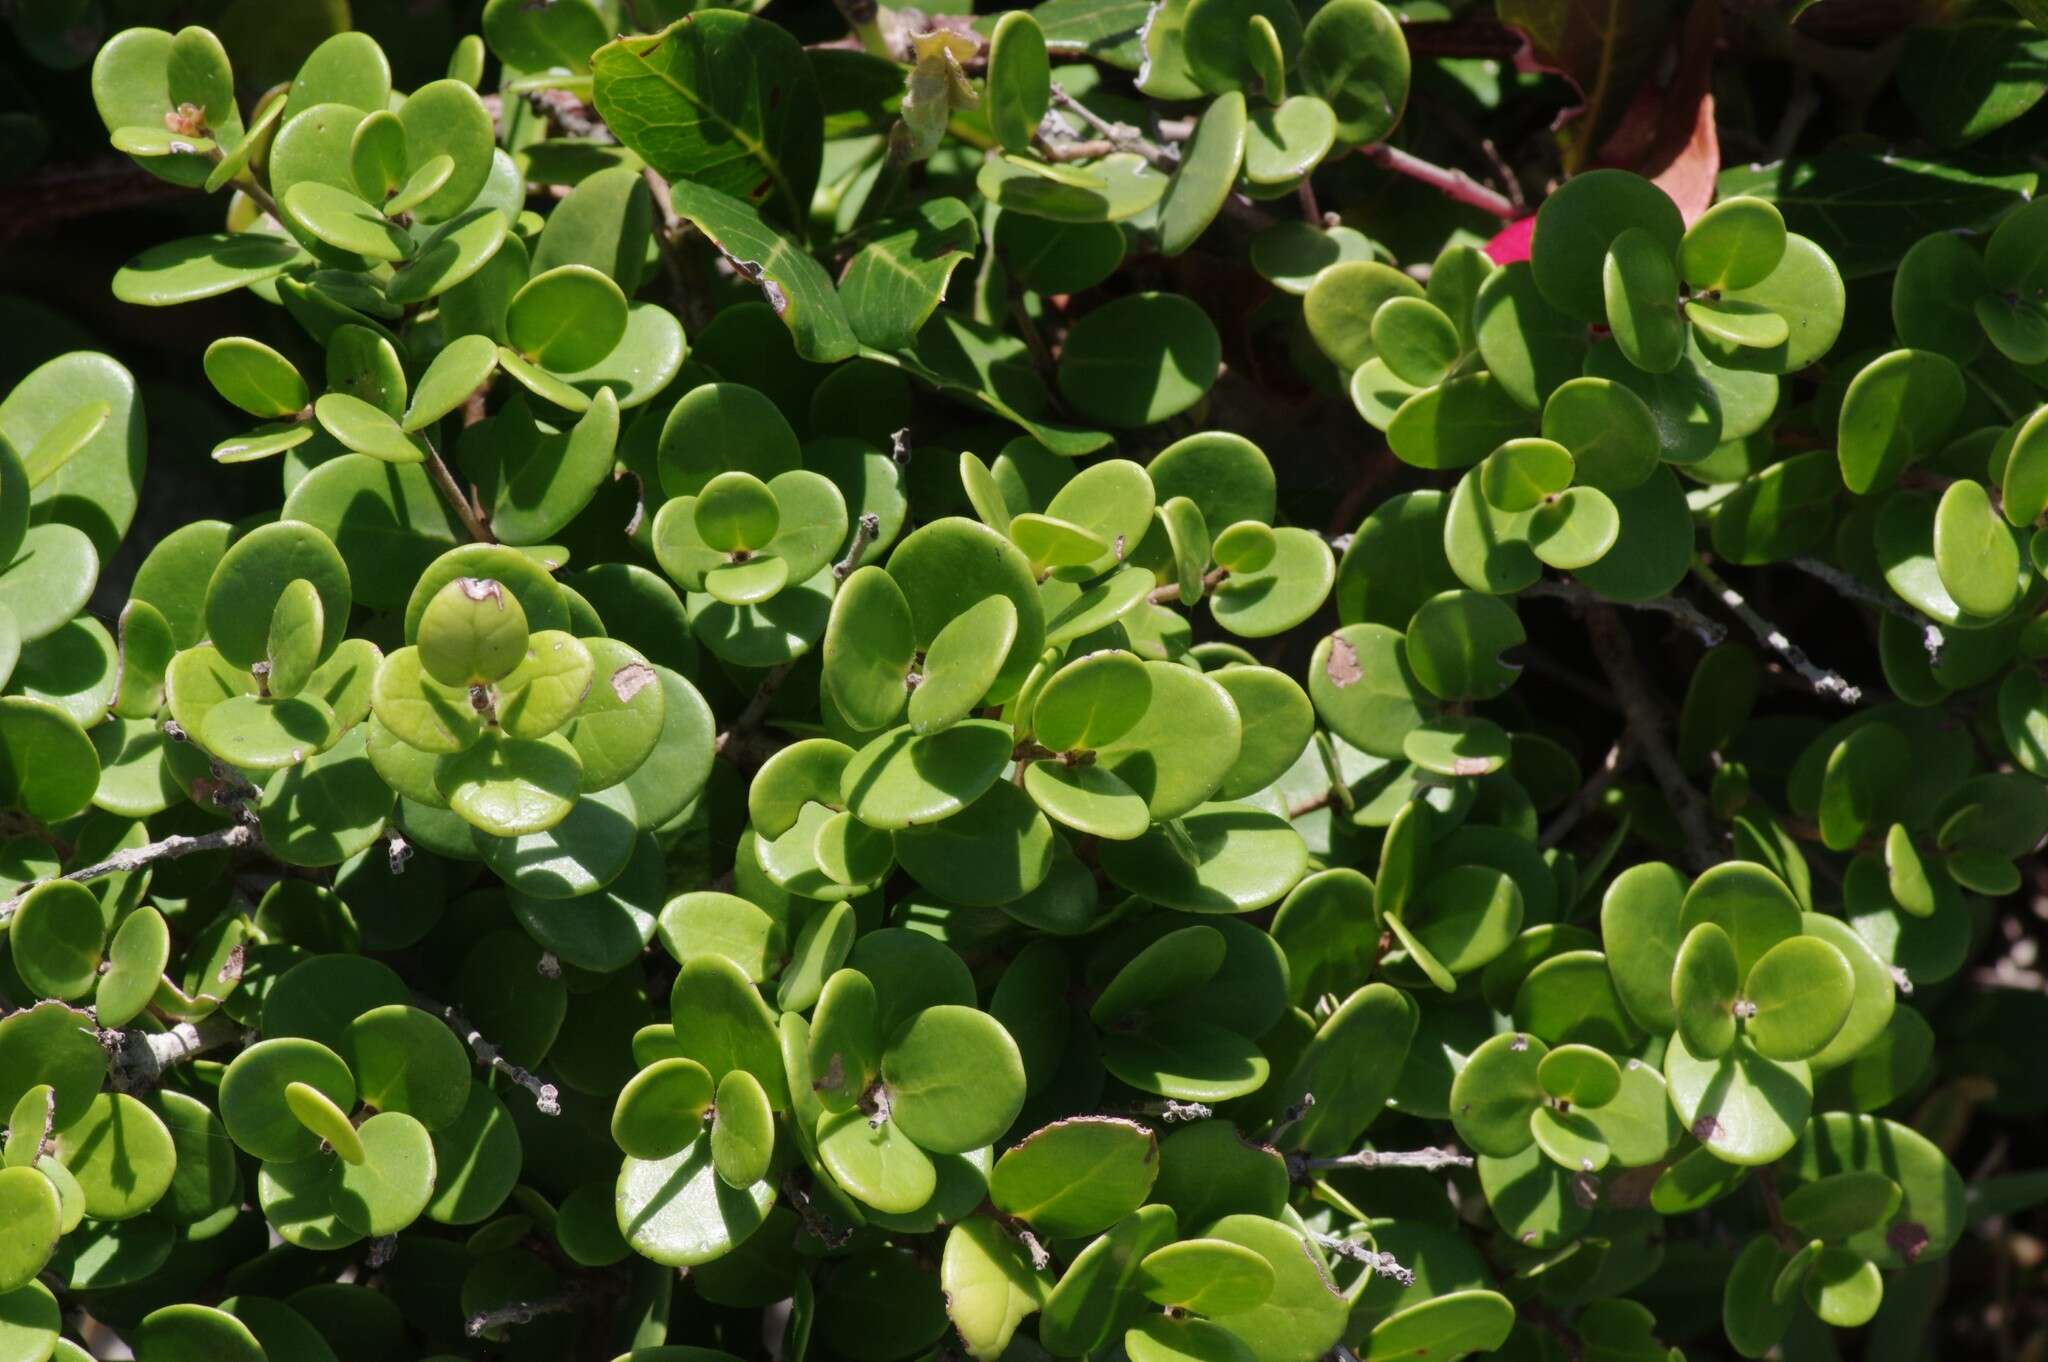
(1644, 714)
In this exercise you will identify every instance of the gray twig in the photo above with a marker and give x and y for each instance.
(516, 1312)
(1120, 136)
(546, 1098)
(570, 116)
(1290, 1117)
(1854, 587)
(169, 849)
(1823, 681)
(828, 1233)
(1708, 631)
(1169, 1111)
(1382, 1264)
(139, 1059)
(864, 533)
(1429, 1160)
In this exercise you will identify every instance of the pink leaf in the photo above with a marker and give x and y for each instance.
(1511, 243)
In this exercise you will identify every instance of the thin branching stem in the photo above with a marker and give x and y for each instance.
(516, 1312)
(1429, 1160)
(246, 182)
(1301, 808)
(546, 1098)
(1644, 715)
(1291, 1117)
(1453, 184)
(1706, 630)
(1120, 136)
(864, 532)
(137, 858)
(452, 493)
(1852, 586)
(1170, 593)
(1587, 795)
(1823, 681)
(1379, 1263)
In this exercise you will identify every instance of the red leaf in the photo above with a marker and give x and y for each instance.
(1511, 243)
(1667, 133)
(1689, 176)
(1605, 48)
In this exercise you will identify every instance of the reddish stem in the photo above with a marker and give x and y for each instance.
(1455, 185)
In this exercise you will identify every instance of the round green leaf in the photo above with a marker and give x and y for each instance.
(1494, 1094)
(136, 959)
(994, 851)
(255, 377)
(962, 663)
(1577, 226)
(1365, 689)
(1284, 143)
(566, 318)
(875, 1162)
(1975, 553)
(121, 1154)
(33, 1212)
(1091, 701)
(406, 1060)
(253, 1101)
(742, 1130)
(1801, 990)
(1076, 1177)
(1747, 1109)
(1209, 165)
(452, 253)
(661, 1109)
(49, 579)
(1119, 186)
(338, 218)
(1609, 432)
(1457, 1324)
(1930, 1214)
(1019, 80)
(1749, 903)
(1353, 56)
(1207, 1276)
(1215, 45)
(447, 118)
(1139, 360)
(188, 1333)
(244, 589)
(900, 779)
(1734, 244)
(1221, 858)
(1418, 342)
(1521, 473)
(1806, 290)
(57, 936)
(1704, 990)
(1640, 288)
(1303, 1316)
(954, 1079)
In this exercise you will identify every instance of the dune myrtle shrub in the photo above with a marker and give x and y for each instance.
(1030, 685)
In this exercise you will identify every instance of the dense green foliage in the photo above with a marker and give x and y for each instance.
(785, 766)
